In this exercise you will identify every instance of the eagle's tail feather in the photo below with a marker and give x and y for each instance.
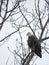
(38, 53)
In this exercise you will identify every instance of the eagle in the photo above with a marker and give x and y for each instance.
(34, 44)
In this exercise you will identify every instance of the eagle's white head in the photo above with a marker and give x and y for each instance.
(29, 34)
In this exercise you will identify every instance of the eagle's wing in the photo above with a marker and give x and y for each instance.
(34, 44)
(30, 42)
(38, 50)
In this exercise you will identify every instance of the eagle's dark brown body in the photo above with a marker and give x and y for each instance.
(34, 45)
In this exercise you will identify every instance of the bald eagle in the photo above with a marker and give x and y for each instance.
(34, 44)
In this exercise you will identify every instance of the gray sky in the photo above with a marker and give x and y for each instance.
(4, 52)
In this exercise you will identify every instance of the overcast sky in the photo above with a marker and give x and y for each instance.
(4, 52)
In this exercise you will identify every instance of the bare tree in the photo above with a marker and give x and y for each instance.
(4, 7)
(36, 24)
